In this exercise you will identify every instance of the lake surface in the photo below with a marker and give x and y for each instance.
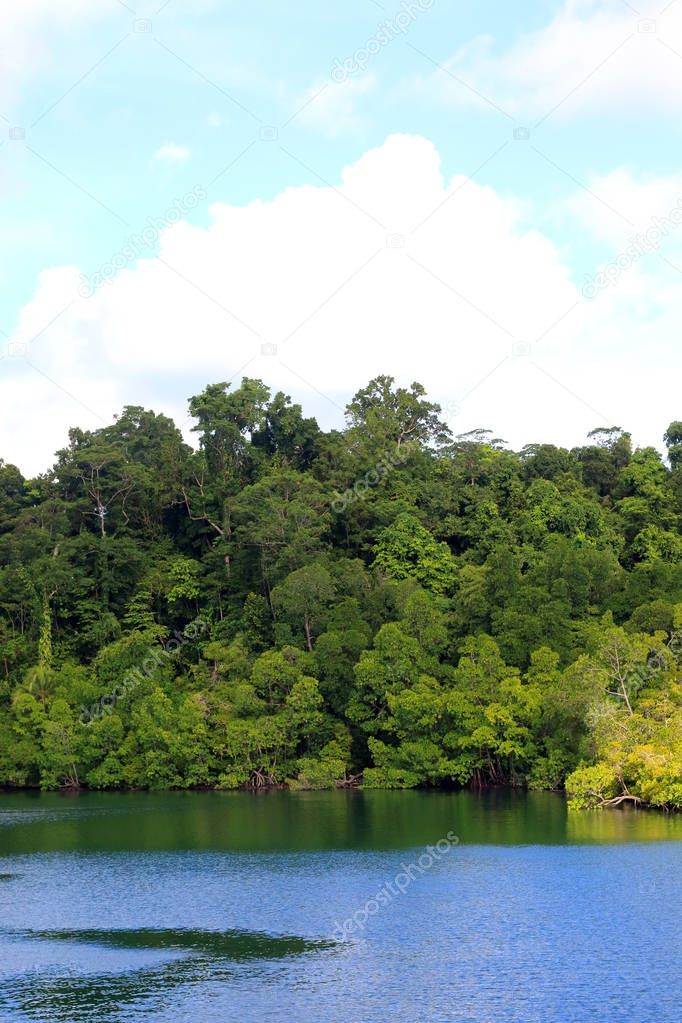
(349, 907)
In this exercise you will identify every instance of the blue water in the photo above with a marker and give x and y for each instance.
(132, 908)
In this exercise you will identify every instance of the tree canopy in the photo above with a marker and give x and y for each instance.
(384, 604)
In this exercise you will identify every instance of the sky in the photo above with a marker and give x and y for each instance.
(480, 196)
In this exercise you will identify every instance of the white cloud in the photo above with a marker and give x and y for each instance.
(334, 107)
(343, 284)
(171, 153)
(634, 205)
(595, 55)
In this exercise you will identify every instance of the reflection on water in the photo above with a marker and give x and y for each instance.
(212, 957)
(285, 821)
(213, 944)
(175, 907)
(47, 999)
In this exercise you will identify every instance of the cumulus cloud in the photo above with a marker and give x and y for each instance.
(171, 153)
(634, 204)
(391, 270)
(595, 55)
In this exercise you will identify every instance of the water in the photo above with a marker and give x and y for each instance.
(224, 906)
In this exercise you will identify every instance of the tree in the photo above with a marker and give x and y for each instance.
(471, 615)
(12, 494)
(426, 622)
(394, 663)
(303, 598)
(286, 435)
(602, 461)
(406, 549)
(39, 679)
(673, 441)
(493, 714)
(283, 520)
(383, 416)
(225, 422)
(619, 665)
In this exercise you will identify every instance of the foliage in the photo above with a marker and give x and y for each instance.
(466, 615)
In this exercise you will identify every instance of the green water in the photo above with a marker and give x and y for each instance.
(328, 820)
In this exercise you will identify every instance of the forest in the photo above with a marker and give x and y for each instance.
(388, 605)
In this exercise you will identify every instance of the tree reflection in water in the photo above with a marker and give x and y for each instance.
(201, 957)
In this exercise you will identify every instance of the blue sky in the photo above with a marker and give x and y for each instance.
(418, 188)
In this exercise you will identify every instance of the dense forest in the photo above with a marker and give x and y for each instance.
(386, 605)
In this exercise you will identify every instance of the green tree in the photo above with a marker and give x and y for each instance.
(406, 549)
(304, 597)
